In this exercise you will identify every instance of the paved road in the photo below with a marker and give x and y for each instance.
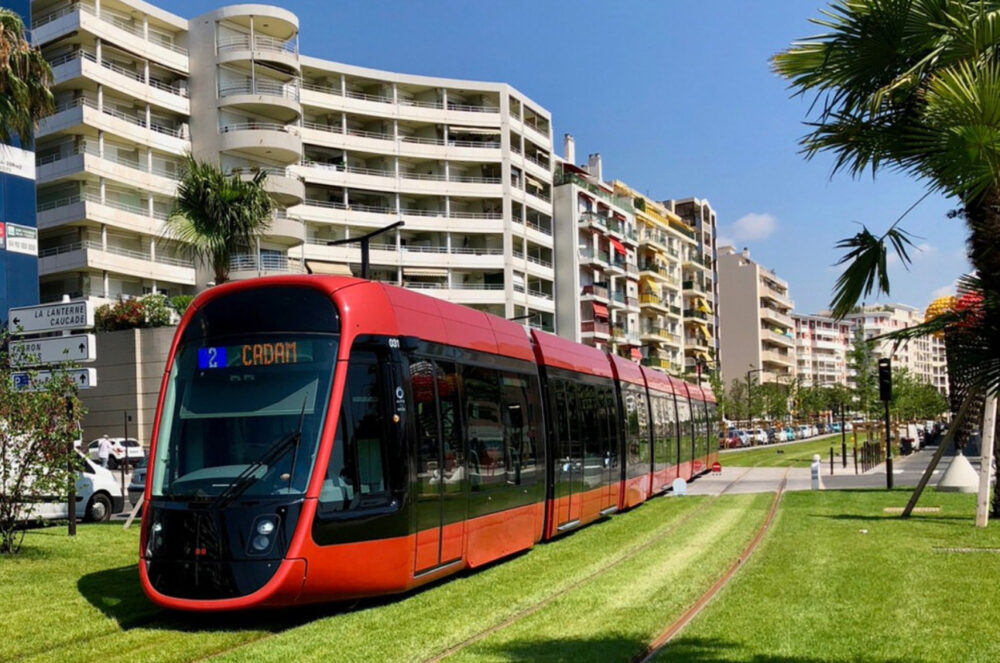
(907, 471)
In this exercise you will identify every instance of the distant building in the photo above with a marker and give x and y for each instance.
(18, 226)
(821, 347)
(757, 331)
(923, 357)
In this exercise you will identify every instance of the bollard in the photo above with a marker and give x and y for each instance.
(815, 472)
(831, 461)
(855, 458)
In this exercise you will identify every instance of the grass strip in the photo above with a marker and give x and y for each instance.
(797, 454)
(420, 626)
(840, 580)
(615, 616)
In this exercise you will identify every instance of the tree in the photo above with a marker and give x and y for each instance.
(25, 79)
(736, 400)
(862, 361)
(775, 396)
(721, 398)
(37, 429)
(218, 215)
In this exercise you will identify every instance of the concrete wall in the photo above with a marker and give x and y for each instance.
(129, 367)
(739, 313)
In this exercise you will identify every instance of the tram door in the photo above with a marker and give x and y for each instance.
(568, 467)
(440, 491)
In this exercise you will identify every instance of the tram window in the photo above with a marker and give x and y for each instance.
(520, 414)
(451, 424)
(356, 475)
(487, 449)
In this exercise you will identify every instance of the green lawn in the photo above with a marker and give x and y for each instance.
(797, 454)
(839, 580)
(817, 589)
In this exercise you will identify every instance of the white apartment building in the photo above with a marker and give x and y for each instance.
(923, 357)
(466, 165)
(757, 332)
(821, 347)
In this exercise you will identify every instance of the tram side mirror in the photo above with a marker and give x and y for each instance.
(409, 343)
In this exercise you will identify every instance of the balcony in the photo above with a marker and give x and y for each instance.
(89, 206)
(249, 265)
(775, 357)
(77, 16)
(265, 139)
(660, 363)
(597, 258)
(260, 47)
(274, 98)
(777, 317)
(284, 185)
(653, 301)
(85, 159)
(81, 63)
(593, 220)
(595, 328)
(696, 314)
(85, 111)
(779, 339)
(92, 255)
(598, 292)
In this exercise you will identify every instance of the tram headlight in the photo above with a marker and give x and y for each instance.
(262, 535)
(155, 538)
(261, 543)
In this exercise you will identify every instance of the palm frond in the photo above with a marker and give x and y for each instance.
(866, 267)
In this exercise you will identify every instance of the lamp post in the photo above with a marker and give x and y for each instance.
(842, 407)
(749, 394)
(364, 239)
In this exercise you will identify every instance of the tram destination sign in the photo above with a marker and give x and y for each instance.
(62, 316)
(83, 378)
(80, 348)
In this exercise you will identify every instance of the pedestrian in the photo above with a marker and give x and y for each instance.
(104, 450)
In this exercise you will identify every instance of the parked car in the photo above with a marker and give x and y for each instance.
(138, 483)
(742, 435)
(789, 434)
(813, 431)
(802, 432)
(98, 495)
(128, 451)
(848, 426)
(759, 436)
(835, 427)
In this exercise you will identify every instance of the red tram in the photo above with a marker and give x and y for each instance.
(326, 438)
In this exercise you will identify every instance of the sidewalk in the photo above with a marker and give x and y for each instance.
(907, 471)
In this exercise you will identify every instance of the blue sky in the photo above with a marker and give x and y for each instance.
(677, 97)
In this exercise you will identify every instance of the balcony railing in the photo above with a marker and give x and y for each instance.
(595, 327)
(595, 291)
(259, 87)
(257, 126)
(126, 117)
(473, 108)
(164, 168)
(119, 23)
(96, 198)
(260, 43)
(545, 230)
(379, 209)
(115, 250)
(265, 262)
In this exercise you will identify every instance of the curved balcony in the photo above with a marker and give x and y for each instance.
(235, 48)
(272, 99)
(266, 139)
(286, 230)
(286, 187)
(251, 265)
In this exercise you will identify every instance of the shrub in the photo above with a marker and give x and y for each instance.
(180, 303)
(147, 311)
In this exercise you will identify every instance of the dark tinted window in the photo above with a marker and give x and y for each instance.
(488, 456)
(521, 417)
(356, 477)
(277, 309)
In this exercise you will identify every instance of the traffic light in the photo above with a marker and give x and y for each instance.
(885, 380)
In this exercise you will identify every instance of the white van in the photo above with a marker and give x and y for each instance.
(98, 495)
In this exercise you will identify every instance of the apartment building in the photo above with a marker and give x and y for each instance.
(757, 328)
(597, 289)
(821, 347)
(923, 357)
(466, 165)
(700, 283)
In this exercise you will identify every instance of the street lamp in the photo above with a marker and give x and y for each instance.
(749, 393)
(364, 239)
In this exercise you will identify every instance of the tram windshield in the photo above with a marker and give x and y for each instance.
(243, 412)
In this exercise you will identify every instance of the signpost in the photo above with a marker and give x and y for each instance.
(42, 353)
(79, 348)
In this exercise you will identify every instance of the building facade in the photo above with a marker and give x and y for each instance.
(466, 165)
(18, 227)
(821, 347)
(757, 331)
(923, 357)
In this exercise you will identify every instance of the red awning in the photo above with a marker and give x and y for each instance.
(600, 310)
(618, 246)
(636, 354)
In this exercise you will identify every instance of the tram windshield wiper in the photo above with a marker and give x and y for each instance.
(248, 476)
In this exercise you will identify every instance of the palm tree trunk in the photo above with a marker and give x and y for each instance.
(983, 216)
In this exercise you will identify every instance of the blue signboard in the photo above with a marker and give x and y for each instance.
(18, 267)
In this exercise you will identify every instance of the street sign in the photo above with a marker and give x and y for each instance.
(50, 317)
(83, 378)
(80, 348)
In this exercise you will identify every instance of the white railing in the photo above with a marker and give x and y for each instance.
(330, 128)
(379, 98)
(473, 108)
(316, 87)
(121, 24)
(111, 156)
(267, 263)
(115, 250)
(260, 43)
(256, 126)
(117, 114)
(419, 104)
(259, 87)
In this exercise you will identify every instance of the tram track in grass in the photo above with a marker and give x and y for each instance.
(513, 619)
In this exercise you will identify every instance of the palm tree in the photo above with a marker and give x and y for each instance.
(912, 86)
(25, 79)
(218, 215)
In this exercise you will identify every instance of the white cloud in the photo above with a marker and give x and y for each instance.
(943, 291)
(751, 227)
(917, 253)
